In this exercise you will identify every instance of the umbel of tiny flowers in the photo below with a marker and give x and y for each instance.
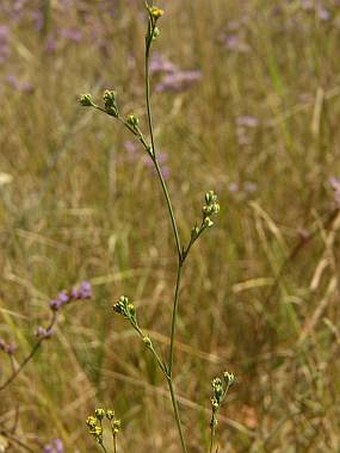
(209, 210)
(127, 309)
(96, 428)
(153, 32)
(220, 387)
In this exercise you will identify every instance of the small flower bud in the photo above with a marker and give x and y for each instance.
(156, 33)
(116, 426)
(147, 341)
(210, 197)
(109, 98)
(195, 232)
(91, 421)
(110, 414)
(229, 378)
(86, 100)
(155, 12)
(133, 121)
(43, 333)
(208, 223)
(99, 413)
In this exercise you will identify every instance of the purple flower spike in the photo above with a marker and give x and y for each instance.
(43, 333)
(63, 297)
(22, 86)
(160, 64)
(85, 290)
(11, 348)
(4, 43)
(335, 184)
(75, 294)
(55, 304)
(71, 34)
(56, 446)
(8, 348)
(178, 81)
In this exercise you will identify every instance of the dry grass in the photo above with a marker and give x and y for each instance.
(260, 294)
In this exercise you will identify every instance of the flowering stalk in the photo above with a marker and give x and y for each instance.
(220, 387)
(211, 207)
(44, 333)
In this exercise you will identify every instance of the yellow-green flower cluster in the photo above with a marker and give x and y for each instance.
(220, 387)
(155, 12)
(211, 208)
(95, 428)
(125, 308)
(95, 423)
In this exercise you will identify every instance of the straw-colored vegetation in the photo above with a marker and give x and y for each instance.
(260, 292)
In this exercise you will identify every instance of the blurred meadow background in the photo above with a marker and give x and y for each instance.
(246, 98)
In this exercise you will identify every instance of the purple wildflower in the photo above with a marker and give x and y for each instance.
(8, 348)
(250, 187)
(244, 123)
(51, 45)
(43, 333)
(160, 64)
(335, 184)
(243, 190)
(247, 121)
(56, 446)
(131, 149)
(85, 290)
(162, 159)
(233, 187)
(71, 34)
(55, 304)
(324, 14)
(4, 43)
(235, 43)
(38, 20)
(21, 86)
(307, 5)
(63, 297)
(178, 81)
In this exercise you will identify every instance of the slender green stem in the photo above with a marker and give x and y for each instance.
(212, 436)
(103, 447)
(147, 86)
(152, 139)
(174, 319)
(170, 208)
(28, 358)
(176, 411)
(115, 447)
(21, 366)
(160, 362)
(191, 243)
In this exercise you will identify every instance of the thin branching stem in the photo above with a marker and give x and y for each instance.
(170, 208)
(212, 437)
(160, 362)
(22, 365)
(175, 233)
(103, 446)
(177, 416)
(29, 357)
(174, 319)
(115, 447)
